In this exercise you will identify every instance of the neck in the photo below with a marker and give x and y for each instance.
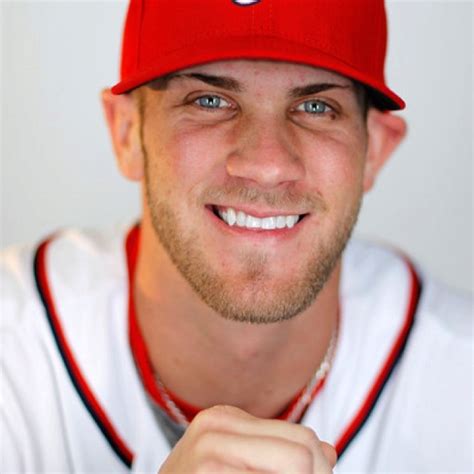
(207, 360)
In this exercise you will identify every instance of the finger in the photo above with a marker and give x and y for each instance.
(234, 420)
(330, 453)
(258, 453)
(219, 467)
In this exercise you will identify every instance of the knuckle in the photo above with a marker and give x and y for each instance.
(303, 459)
(200, 421)
(308, 436)
(224, 410)
(215, 411)
(212, 417)
(205, 444)
(203, 421)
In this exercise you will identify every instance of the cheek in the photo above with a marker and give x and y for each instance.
(190, 156)
(335, 165)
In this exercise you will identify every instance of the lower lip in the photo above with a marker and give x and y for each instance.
(257, 234)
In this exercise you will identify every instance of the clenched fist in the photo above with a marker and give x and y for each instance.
(225, 439)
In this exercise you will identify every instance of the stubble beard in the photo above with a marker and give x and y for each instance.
(251, 297)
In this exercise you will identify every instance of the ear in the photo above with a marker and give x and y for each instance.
(385, 132)
(123, 120)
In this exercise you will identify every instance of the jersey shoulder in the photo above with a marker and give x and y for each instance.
(18, 292)
(78, 259)
(83, 268)
(449, 309)
(426, 405)
(368, 265)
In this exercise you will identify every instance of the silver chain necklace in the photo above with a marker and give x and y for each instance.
(295, 414)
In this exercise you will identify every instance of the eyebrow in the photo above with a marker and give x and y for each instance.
(231, 84)
(310, 89)
(223, 82)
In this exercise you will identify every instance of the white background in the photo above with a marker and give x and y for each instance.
(57, 167)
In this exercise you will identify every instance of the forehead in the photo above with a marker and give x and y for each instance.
(280, 73)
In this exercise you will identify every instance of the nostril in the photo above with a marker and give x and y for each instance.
(267, 166)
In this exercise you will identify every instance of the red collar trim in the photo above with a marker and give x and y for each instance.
(140, 354)
(358, 421)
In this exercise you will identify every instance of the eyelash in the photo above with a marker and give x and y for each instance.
(328, 110)
(213, 96)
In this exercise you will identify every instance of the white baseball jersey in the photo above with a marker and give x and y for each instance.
(398, 397)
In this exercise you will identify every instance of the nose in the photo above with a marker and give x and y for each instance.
(266, 154)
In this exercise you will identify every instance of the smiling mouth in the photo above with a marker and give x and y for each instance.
(239, 218)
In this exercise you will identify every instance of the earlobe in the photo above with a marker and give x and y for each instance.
(385, 132)
(123, 120)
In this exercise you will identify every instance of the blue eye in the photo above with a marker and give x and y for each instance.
(315, 107)
(212, 102)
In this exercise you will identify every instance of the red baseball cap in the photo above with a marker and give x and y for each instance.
(345, 36)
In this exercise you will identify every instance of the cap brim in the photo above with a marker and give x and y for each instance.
(259, 47)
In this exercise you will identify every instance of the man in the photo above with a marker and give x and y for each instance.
(228, 331)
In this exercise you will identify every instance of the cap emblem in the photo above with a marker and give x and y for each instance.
(245, 3)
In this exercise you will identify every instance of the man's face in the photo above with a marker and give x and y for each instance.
(254, 174)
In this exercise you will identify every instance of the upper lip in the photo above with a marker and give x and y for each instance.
(258, 212)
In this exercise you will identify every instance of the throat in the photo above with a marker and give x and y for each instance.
(206, 360)
(271, 399)
(261, 369)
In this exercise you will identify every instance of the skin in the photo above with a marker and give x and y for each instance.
(238, 312)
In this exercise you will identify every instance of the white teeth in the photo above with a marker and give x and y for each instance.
(241, 219)
(280, 222)
(291, 221)
(268, 223)
(231, 217)
(253, 222)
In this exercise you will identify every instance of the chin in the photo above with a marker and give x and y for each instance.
(253, 294)
(250, 287)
